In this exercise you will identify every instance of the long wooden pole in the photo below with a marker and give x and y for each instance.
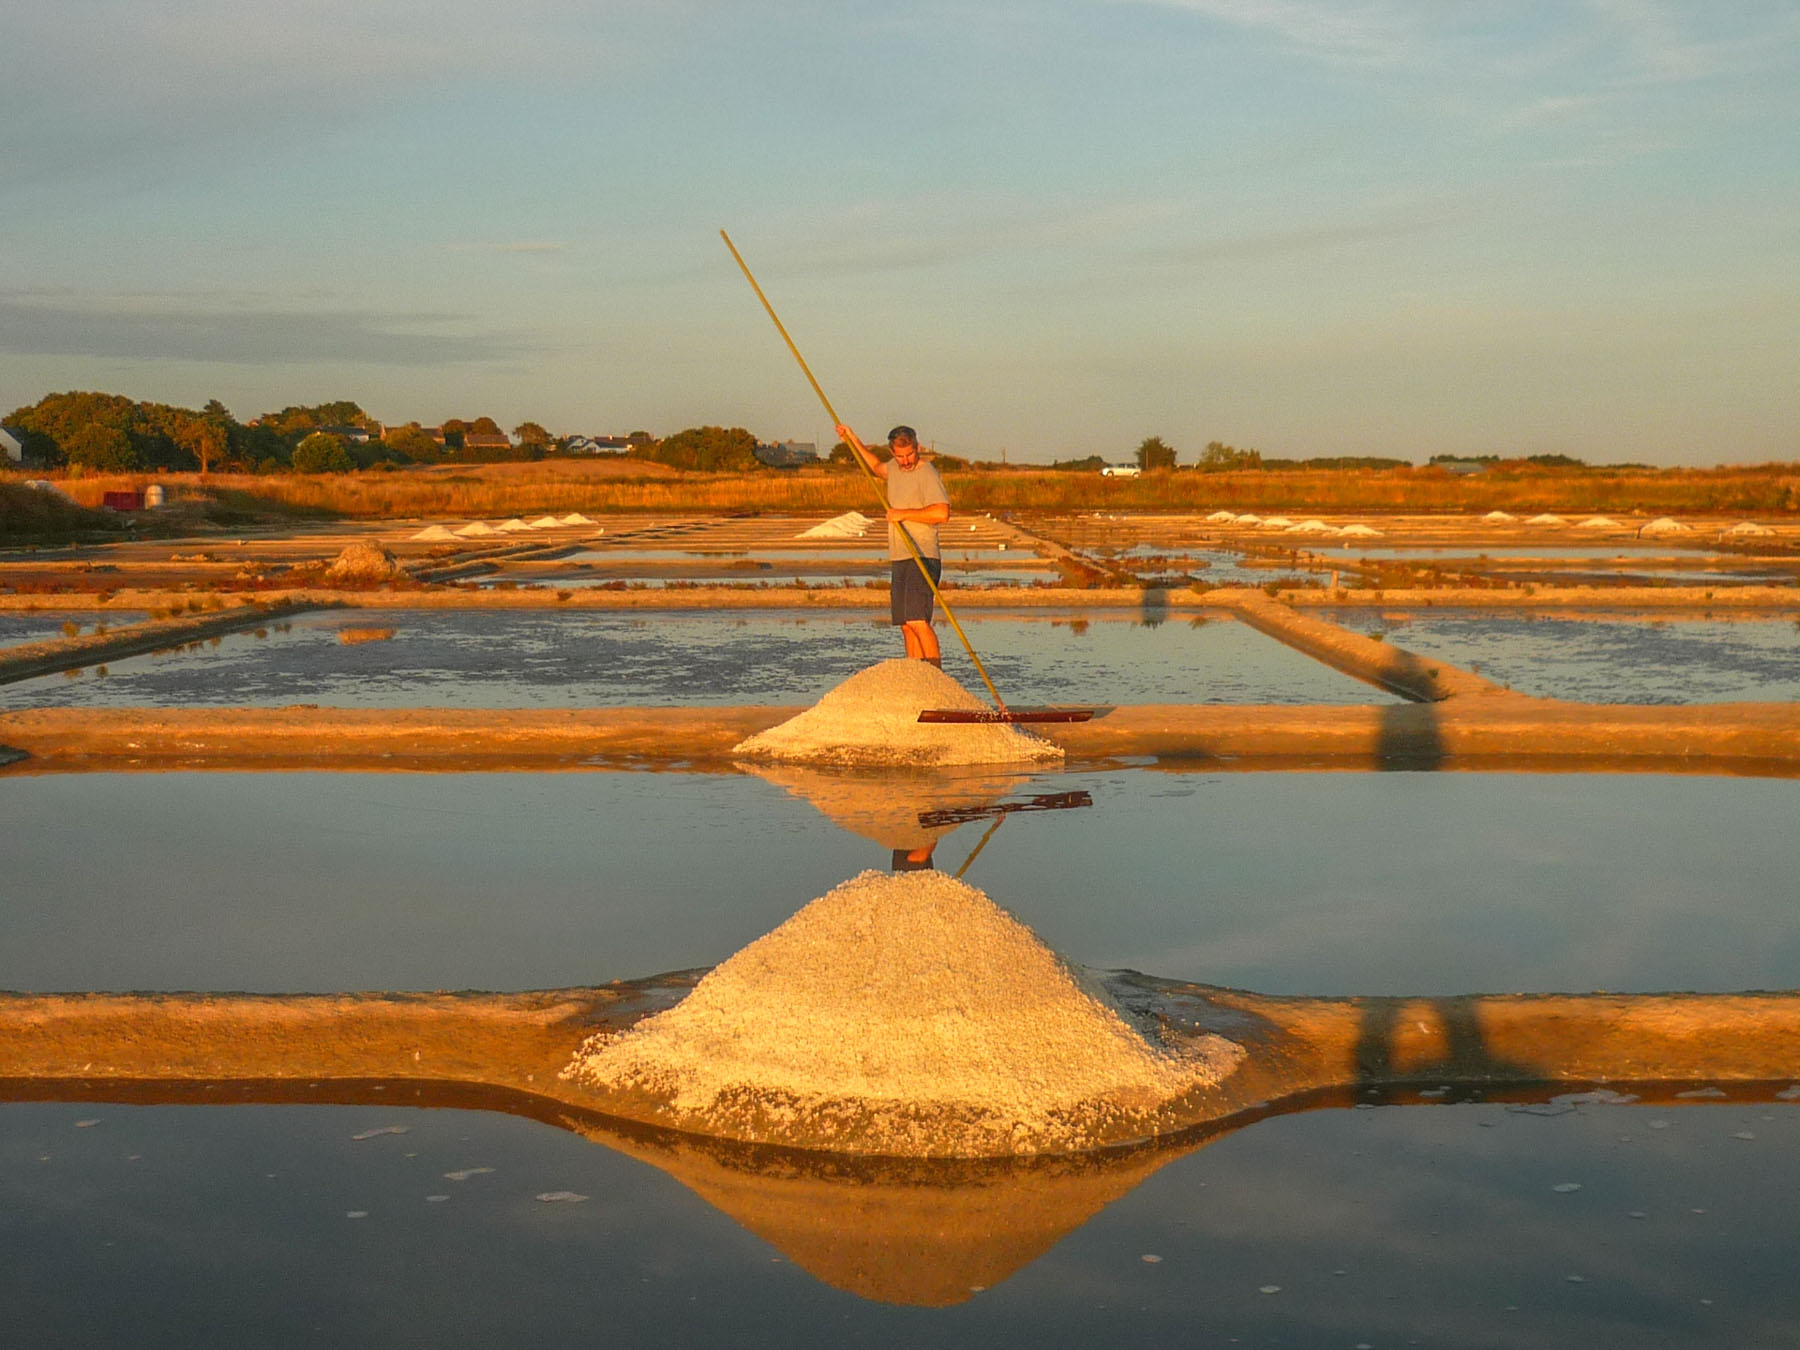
(905, 534)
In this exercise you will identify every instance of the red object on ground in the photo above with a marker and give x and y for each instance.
(122, 501)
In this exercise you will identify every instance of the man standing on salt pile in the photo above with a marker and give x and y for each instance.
(917, 504)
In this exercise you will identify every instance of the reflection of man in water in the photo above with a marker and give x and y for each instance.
(917, 504)
(915, 859)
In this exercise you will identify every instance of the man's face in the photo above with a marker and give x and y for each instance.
(906, 453)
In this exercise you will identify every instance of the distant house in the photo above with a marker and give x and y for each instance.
(788, 454)
(597, 445)
(12, 441)
(486, 440)
(355, 435)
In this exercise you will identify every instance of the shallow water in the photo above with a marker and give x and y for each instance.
(497, 658)
(180, 1226)
(1606, 659)
(19, 626)
(1285, 883)
(176, 1225)
(1220, 567)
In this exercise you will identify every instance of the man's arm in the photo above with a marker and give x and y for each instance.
(878, 467)
(935, 514)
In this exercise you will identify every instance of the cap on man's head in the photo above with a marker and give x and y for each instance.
(903, 436)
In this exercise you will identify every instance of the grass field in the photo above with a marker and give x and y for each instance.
(500, 490)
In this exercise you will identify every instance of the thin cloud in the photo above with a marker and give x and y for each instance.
(1362, 34)
(1278, 243)
(238, 337)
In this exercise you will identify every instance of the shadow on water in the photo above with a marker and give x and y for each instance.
(1153, 606)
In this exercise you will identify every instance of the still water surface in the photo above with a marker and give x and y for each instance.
(1448, 1225)
(514, 658)
(1606, 658)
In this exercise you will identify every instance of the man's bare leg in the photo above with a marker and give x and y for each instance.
(911, 639)
(922, 643)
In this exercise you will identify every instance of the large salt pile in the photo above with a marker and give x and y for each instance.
(873, 718)
(903, 1014)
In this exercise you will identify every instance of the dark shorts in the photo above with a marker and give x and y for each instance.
(909, 598)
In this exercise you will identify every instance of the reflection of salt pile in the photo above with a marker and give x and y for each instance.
(873, 718)
(850, 525)
(902, 1014)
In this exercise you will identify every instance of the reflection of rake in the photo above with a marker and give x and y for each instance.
(962, 815)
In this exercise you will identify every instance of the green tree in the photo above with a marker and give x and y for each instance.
(530, 433)
(1154, 453)
(98, 446)
(415, 443)
(710, 449)
(485, 426)
(322, 453)
(1219, 457)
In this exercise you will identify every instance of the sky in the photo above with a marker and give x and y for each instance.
(1043, 230)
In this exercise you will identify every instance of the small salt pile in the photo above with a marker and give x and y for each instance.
(850, 525)
(1664, 525)
(1548, 518)
(545, 523)
(433, 534)
(512, 526)
(1599, 523)
(475, 528)
(576, 518)
(873, 718)
(1499, 517)
(903, 1014)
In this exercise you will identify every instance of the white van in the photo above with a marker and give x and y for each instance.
(1120, 471)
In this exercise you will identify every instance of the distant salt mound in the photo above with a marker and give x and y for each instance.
(1664, 525)
(512, 526)
(905, 1015)
(474, 529)
(850, 525)
(1359, 531)
(1549, 520)
(433, 534)
(1248, 518)
(1220, 517)
(1599, 523)
(1309, 527)
(1276, 523)
(576, 518)
(872, 718)
(1748, 528)
(1499, 517)
(363, 562)
(545, 523)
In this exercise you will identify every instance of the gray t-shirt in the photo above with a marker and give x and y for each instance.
(910, 489)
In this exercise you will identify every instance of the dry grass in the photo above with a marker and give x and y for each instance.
(597, 487)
